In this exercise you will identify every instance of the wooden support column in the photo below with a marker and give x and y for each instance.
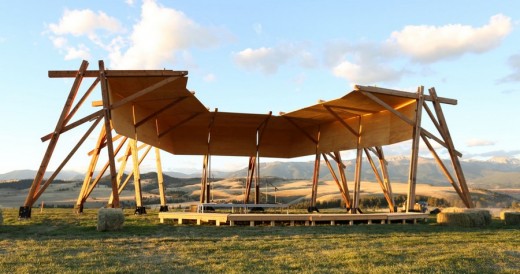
(160, 181)
(379, 180)
(357, 180)
(344, 195)
(316, 176)
(90, 170)
(412, 175)
(357, 172)
(386, 178)
(451, 147)
(249, 180)
(25, 211)
(139, 208)
(204, 180)
(131, 175)
(108, 129)
(341, 168)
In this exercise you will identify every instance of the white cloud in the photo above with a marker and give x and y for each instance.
(84, 22)
(479, 143)
(210, 77)
(80, 52)
(269, 59)
(363, 63)
(431, 43)
(159, 35)
(365, 73)
(130, 2)
(514, 63)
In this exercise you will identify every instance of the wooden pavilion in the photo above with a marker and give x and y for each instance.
(154, 107)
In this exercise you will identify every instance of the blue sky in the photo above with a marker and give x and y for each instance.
(261, 56)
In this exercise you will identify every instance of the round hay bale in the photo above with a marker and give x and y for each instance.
(110, 219)
(510, 217)
(464, 217)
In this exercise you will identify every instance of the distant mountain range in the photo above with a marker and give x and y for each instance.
(494, 173)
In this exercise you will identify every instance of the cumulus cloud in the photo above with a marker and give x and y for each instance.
(84, 22)
(159, 35)
(269, 59)
(79, 52)
(428, 44)
(363, 63)
(479, 143)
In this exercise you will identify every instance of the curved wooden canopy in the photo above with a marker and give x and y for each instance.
(160, 111)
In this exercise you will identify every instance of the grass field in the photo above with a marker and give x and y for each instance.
(58, 241)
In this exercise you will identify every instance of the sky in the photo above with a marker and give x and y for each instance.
(261, 56)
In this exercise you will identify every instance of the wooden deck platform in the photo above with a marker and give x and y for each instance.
(290, 219)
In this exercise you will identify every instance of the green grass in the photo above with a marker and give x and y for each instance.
(58, 241)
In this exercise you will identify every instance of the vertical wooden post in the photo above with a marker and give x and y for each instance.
(204, 180)
(316, 175)
(139, 208)
(25, 211)
(108, 129)
(451, 148)
(357, 180)
(412, 175)
(357, 171)
(160, 181)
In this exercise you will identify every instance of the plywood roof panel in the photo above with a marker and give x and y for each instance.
(174, 120)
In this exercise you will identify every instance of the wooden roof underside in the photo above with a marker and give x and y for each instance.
(171, 118)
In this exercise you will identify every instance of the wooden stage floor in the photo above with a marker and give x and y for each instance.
(290, 219)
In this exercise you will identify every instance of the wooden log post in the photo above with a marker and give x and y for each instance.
(160, 181)
(139, 208)
(108, 128)
(416, 135)
(315, 177)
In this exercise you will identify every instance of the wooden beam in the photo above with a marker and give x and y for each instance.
(338, 184)
(414, 158)
(384, 170)
(66, 160)
(54, 139)
(160, 135)
(108, 128)
(154, 114)
(249, 179)
(301, 129)
(143, 92)
(79, 122)
(444, 170)
(338, 118)
(439, 141)
(91, 168)
(341, 169)
(401, 93)
(379, 180)
(451, 147)
(355, 111)
(116, 73)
